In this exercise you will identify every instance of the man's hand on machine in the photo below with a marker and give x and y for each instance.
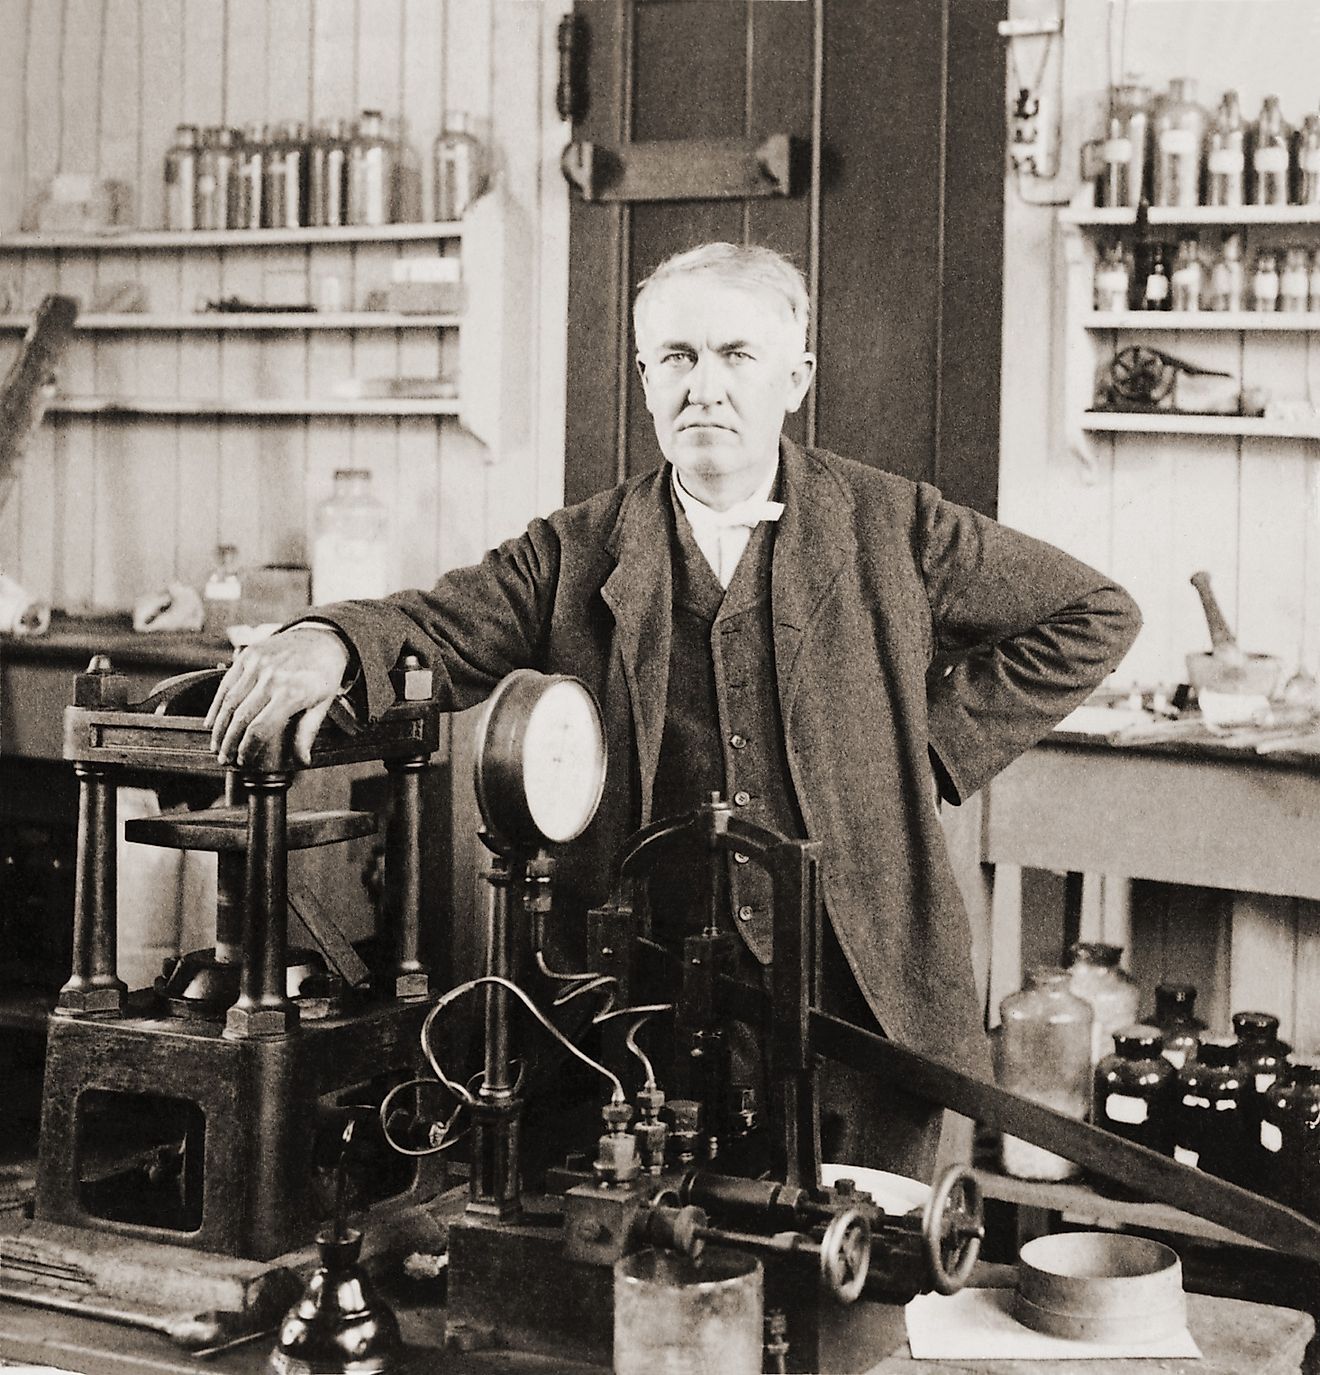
(295, 673)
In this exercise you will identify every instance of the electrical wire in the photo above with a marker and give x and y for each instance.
(591, 982)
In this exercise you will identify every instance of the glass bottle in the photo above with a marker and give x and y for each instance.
(1112, 279)
(1133, 1089)
(1308, 162)
(1043, 1053)
(1270, 155)
(1314, 280)
(1208, 1121)
(1265, 283)
(1263, 1059)
(1288, 1134)
(181, 179)
(216, 181)
(1155, 292)
(1096, 975)
(459, 165)
(251, 177)
(1294, 281)
(1227, 277)
(370, 174)
(1179, 138)
(221, 592)
(1178, 1024)
(350, 545)
(1185, 281)
(1225, 158)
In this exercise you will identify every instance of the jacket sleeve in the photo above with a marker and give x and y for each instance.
(1023, 634)
(476, 624)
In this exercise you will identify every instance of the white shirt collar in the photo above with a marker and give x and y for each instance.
(749, 512)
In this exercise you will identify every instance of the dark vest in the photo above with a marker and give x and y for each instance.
(723, 731)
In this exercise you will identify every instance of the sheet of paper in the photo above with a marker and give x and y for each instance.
(978, 1324)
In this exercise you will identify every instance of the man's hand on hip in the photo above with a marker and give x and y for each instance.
(296, 673)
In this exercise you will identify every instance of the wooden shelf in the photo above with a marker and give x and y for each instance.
(265, 406)
(1239, 426)
(1228, 322)
(267, 321)
(1228, 216)
(130, 240)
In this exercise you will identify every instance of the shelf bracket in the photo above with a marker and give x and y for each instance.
(694, 169)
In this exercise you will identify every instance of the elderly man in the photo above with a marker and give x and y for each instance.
(824, 643)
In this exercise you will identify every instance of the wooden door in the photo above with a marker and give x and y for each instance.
(895, 216)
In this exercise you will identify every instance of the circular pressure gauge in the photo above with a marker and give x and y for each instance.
(540, 762)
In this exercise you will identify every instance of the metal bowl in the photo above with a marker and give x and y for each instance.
(1100, 1287)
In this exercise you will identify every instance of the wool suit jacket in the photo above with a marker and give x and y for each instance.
(907, 631)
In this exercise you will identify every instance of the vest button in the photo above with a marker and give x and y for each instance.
(737, 741)
(739, 857)
(742, 798)
(746, 913)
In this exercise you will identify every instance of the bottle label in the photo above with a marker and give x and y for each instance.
(1263, 1081)
(1272, 160)
(1118, 150)
(1185, 1157)
(1226, 1105)
(1270, 1136)
(1194, 1100)
(1123, 1107)
(1226, 162)
(1177, 142)
(1177, 1058)
(226, 589)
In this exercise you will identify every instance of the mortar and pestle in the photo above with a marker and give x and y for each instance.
(1230, 686)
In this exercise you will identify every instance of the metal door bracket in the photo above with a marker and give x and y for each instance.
(695, 169)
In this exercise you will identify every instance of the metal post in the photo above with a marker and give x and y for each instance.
(407, 976)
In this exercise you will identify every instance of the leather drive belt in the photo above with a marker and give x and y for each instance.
(1150, 1173)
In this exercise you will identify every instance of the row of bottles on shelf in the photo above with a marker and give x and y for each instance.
(286, 176)
(1169, 151)
(1189, 276)
(1240, 1107)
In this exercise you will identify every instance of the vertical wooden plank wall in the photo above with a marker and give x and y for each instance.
(108, 509)
(1155, 509)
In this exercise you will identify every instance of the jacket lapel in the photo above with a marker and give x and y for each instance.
(639, 593)
(814, 541)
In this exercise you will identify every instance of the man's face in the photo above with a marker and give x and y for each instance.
(721, 365)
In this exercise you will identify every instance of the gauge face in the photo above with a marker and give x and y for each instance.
(540, 764)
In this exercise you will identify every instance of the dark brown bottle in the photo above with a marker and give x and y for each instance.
(1263, 1059)
(1208, 1120)
(1290, 1139)
(1134, 1090)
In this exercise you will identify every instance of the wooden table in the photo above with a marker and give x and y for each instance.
(1235, 1337)
(1202, 816)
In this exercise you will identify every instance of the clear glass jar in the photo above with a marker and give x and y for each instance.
(1112, 279)
(1293, 281)
(1180, 125)
(1124, 152)
(1043, 1052)
(181, 179)
(350, 545)
(459, 166)
(221, 592)
(371, 171)
(1208, 1118)
(1225, 156)
(1271, 160)
(1227, 278)
(1179, 1026)
(1185, 281)
(1096, 974)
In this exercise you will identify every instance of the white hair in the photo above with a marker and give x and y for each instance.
(746, 265)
